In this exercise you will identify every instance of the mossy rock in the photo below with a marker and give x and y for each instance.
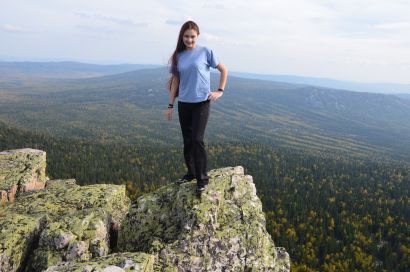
(77, 223)
(127, 261)
(222, 230)
(67, 227)
(18, 235)
(21, 170)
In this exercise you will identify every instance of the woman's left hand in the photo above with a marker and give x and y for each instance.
(214, 95)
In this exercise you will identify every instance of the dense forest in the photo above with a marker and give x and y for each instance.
(128, 108)
(331, 212)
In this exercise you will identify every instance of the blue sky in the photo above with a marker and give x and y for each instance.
(357, 40)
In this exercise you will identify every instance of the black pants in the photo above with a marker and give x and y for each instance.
(193, 118)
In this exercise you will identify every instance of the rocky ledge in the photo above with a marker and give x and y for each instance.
(20, 171)
(67, 227)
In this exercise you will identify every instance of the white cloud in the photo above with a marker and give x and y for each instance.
(11, 28)
(214, 5)
(114, 19)
(178, 22)
(210, 37)
(174, 22)
(395, 26)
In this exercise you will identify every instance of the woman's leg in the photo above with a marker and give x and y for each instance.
(185, 120)
(200, 115)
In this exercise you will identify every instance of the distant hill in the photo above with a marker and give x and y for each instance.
(406, 96)
(67, 69)
(388, 88)
(129, 107)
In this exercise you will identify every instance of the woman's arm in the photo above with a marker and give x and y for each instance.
(222, 82)
(224, 75)
(172, 94)
(174, 89)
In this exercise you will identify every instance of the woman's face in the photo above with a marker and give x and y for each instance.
(189, 38)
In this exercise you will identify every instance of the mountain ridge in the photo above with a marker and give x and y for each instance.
(84, 69)
(387, 88)
(130, 106)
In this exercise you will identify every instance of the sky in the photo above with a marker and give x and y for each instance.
(354, 40)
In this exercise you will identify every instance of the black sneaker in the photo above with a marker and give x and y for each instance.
(201, 185)
(185, 178)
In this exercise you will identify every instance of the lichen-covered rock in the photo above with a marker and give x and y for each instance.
(21, 170)
(223, 230)
(78, 222)
(64, 198)
(18, 235)
(61, 183)
(127, 261)
(67, 227)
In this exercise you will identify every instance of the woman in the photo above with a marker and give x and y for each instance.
(190, 81)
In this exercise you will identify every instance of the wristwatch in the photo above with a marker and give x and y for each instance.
(220, 90)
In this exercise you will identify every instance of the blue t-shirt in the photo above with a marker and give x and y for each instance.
(194, 73)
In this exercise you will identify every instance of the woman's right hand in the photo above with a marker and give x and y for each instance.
(168, 114)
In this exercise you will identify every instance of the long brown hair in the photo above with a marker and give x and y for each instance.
(180, 47)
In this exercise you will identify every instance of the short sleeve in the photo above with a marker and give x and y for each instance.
(212, 59)
(174, 70)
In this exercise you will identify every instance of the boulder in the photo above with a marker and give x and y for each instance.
(65, 222)
(21, 170)
(223, 230)
(116, 262)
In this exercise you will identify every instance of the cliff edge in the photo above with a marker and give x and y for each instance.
(62, 226)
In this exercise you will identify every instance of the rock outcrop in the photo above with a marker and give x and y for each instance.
(20, 171)
(67, 227)
(224, 230)
(63, 222)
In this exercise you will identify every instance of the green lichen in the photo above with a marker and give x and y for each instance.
(127, 261)
(79, 220)
(18, 233)
(173, 229)
(223, 229)
(20, 167)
